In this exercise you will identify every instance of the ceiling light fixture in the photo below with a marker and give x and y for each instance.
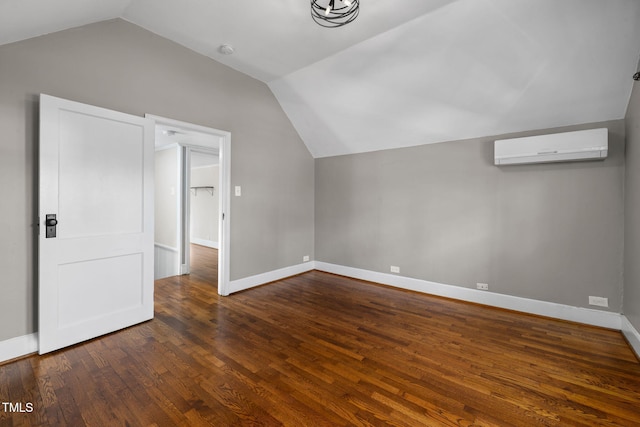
(334, 13)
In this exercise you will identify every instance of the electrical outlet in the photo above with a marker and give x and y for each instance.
(482, 286)
(599, 301)
(305, 258)
(395, 269)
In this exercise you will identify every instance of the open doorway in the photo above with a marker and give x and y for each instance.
(204, 204)
(179, 146)
(200, 180)
(202, 213)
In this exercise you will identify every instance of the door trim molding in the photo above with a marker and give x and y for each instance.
(224, 213)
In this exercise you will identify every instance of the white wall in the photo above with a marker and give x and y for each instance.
(204, 206)
(166, 197)
(166, 253)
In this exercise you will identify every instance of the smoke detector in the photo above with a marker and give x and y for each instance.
(226, 49)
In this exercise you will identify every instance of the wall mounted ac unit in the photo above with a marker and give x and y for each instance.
(580, 145)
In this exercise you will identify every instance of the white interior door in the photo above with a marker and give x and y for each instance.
(96, 176)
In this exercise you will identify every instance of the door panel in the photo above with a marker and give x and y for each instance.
(97, 180)
(96, 175)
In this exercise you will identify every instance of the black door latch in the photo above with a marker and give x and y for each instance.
(50, 223)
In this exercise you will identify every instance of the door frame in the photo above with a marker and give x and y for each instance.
(184, 202)
(224, 195)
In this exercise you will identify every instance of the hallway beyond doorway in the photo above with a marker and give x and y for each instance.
(204, 264)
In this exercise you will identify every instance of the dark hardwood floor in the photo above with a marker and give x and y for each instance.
(323, 350)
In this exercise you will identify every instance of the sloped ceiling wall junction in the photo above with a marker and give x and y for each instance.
(404, 73)
(469, 69)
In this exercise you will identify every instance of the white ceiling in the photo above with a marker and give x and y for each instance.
(404, 73)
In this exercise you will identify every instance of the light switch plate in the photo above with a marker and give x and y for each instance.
(238, 191)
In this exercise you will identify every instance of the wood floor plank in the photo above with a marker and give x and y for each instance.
(324, 350)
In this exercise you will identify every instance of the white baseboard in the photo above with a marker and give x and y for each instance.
(18, 346)
(203, 242)
(632, 335)
(270, 276)
(587, 316)
(26, 344)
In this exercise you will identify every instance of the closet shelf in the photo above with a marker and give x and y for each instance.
(207, 189)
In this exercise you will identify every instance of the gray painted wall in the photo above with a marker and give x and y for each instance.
(632, 212)
(445, 213)
(117, 65)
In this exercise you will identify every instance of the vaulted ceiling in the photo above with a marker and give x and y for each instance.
(404, 73)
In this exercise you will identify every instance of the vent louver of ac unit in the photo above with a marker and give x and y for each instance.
(591, 144)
